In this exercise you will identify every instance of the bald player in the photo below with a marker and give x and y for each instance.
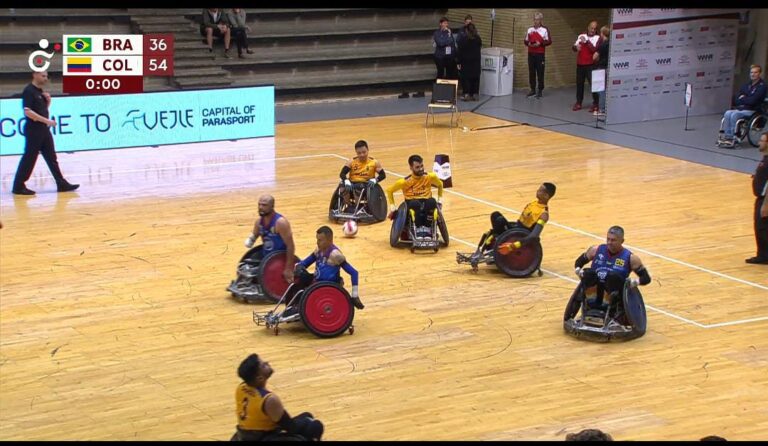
(275, 232)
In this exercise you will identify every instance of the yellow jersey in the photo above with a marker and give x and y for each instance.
(414, 187)
(249, 403)
(532, 213)
(362, 171)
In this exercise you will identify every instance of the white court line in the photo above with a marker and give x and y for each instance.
(571, 279)
(721, 324)
(658, 310)
(579, 231)
(199, 165)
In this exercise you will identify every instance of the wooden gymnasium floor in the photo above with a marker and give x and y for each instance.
(115, 322)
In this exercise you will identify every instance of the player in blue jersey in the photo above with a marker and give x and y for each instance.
(275, 233)
(611, 265)
(329, 261)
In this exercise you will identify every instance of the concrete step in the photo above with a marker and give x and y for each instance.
(202, 81)
(200, 71)
(167, 28)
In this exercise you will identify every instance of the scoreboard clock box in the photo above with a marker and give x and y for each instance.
(114, 63)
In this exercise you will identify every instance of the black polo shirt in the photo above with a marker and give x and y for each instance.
(32, 98)
(760, 178)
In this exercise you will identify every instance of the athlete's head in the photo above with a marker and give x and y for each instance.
(324, 238)
(545, 192)
(254, 371)
(266, 205)
(615, 238)
(39, 78)
(417, 165)
(361, 149)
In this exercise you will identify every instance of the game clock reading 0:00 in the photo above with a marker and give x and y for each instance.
(103, 84)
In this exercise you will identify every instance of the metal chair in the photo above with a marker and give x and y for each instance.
(445, 95)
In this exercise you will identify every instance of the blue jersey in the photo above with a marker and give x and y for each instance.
(272, 240)
(604, 262)
(326, 272)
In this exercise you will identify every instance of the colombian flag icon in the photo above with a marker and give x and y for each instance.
(79, 44)
(79, 64)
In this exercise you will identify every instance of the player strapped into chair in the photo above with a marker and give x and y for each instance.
(445, 93)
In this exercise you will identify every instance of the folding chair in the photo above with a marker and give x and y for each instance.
(445, 94)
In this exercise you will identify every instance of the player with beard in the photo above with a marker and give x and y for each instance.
(417, 190)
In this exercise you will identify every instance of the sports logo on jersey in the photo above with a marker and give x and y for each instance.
(619, 262)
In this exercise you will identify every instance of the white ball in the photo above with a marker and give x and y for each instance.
(350, 228)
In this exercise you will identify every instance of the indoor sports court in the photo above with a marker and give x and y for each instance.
(116, 324)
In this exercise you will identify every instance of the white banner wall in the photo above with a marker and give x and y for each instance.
(654, 52)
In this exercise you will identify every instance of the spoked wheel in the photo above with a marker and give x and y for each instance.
(756, 128)
(521, 262)
(326, 309)
(335, 203)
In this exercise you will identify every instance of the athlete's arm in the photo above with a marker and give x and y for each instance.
(637, 266)
(398, 185)
(284, 229)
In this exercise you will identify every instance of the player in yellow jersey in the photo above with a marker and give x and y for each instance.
(260, 413)
(362, 170)
(533, 218)
(417, 190)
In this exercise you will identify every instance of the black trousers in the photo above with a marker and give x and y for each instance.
(761, 230)
(446, 68)
(536, 70)
(470, 85)
(38, 140)
(584, 72)
(241, 39)
(424, 208)
(613, 282)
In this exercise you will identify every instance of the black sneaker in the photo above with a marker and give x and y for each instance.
(757, 261)
(357, 303)
(531, 94)
(23, 191)
(538, 95)
(66, 187)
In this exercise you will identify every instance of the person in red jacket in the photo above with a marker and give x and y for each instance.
(586, 46)
(537, 38)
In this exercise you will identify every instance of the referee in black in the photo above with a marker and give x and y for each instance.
(38, 137)
(760, 187)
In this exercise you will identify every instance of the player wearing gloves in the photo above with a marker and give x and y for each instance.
(362, 170)
(417, 191)
(329, 262)
(611, 265)
(275, 232)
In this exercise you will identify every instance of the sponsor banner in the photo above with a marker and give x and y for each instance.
(650, 63)
(623, 15)
(147, 119)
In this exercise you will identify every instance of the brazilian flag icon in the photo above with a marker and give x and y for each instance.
(79, 44)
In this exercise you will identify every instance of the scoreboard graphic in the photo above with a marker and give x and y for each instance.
(114, 63)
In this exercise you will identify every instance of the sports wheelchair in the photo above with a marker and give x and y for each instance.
(368, 204)
(623, 319)
(260, 281)
(749, 128)
(325, 308)
(404, 230)
(521, 262)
